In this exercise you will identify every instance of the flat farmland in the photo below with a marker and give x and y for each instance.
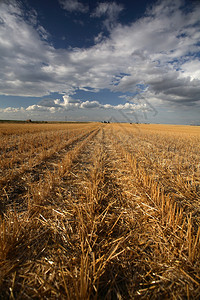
(99, 211)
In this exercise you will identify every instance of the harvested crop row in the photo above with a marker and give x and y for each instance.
(170, 235)
(14, 183)
(17, 187)
(179, 178)
(29, 149)
(26, 243)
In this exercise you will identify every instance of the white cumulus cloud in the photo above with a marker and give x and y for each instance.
(110, 11)
(74, 6)
(68, 103)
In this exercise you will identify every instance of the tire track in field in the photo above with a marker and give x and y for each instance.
(74, 180)
(92, 187)
(14, 189)
(104, 188)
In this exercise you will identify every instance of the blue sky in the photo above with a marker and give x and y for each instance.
(99, 60)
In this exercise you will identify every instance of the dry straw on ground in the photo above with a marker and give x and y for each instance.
(99, 211)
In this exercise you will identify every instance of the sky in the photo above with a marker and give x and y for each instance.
(124, 61)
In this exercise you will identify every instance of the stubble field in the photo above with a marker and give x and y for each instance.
(99, 211)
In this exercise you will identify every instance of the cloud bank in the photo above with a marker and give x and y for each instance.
(69, 104)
